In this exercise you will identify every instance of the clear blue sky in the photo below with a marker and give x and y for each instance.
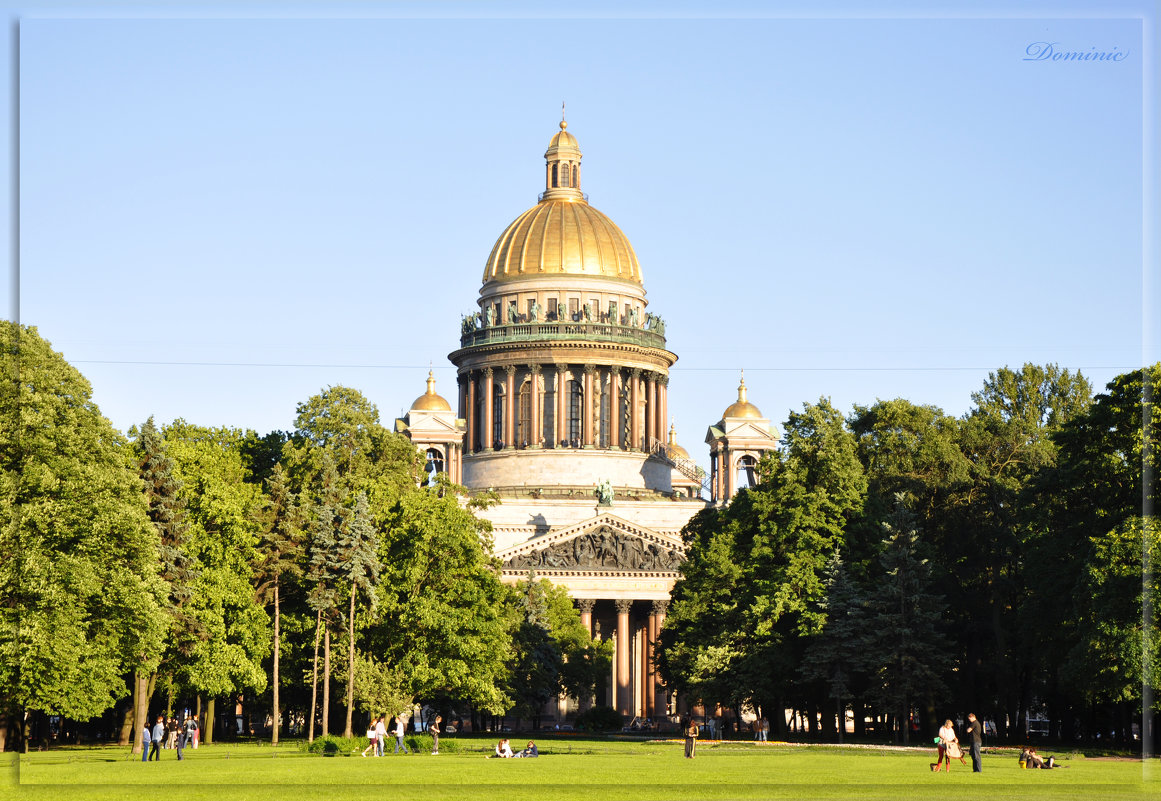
(863, 201)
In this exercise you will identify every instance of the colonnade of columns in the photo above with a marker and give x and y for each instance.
(634, 682)
(615, 407)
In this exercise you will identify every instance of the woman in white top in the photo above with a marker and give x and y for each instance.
(504, 749)
(948, 747)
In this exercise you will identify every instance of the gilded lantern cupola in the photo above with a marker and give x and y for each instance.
(562, 167)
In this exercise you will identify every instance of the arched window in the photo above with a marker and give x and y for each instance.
(576, 410)
(575, 177)
(747, 472)
(524, 435)
(435, 465)
(555, 180)
(498, 417)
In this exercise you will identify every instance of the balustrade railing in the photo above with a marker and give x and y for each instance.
(687, 467)
(562, 330)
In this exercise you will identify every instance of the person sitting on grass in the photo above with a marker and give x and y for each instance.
(530, 750)
(1034, 760)
(503, 749)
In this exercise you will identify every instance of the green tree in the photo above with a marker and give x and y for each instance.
(585, 662)
(836, 654)
(750, 589)
(225, 525)
(702, 640)
(1007, 441)
(536, 659)
(1094, 529)
(280, 554)
(324, 571)
(79, 593)
(443, 622)
(367, 457)
(357, 548)
(377, 688)
(177, 569)
(904, 643)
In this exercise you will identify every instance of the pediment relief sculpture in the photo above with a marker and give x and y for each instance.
(602, 548)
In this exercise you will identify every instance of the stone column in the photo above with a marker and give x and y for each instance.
(727, 459)
(634, 404)
(658, 700)
(614, 407)
(537, 421)
(471, 415)
(561, 424)
(586, 605)
(644, 671)
(650, 410)
(624, 688)
(663, 408)
(587, 421)
(510, 408)
(486, 440)
(648, 671)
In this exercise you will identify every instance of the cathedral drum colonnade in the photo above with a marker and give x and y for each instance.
(562, 396)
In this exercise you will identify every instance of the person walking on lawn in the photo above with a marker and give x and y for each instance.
(400, 730)
(158, 738)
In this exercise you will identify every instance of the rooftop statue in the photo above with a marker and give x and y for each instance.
(488, 316)
(535, 311)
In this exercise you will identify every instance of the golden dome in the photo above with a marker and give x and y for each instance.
(429, 401)
(562, 234)
(673, 448)
(562, 237)
(742, 408)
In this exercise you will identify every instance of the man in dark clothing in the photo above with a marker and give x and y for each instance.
(179, 743)
(976, 729)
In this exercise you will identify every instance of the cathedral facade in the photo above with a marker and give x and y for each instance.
(561, 410)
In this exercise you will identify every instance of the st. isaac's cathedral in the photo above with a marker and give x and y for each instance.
(563, 379)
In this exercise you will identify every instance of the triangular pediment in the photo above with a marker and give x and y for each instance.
(749, 430)
(605, 543)
(427, 423)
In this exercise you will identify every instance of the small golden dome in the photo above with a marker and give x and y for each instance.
(429, 401)
(672, 447)
(742, 408)
(563, 139)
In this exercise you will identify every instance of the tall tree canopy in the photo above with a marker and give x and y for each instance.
(224, 510)
(79, 593)
(755, 573)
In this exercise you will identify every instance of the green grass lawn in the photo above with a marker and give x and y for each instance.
(570, 768)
